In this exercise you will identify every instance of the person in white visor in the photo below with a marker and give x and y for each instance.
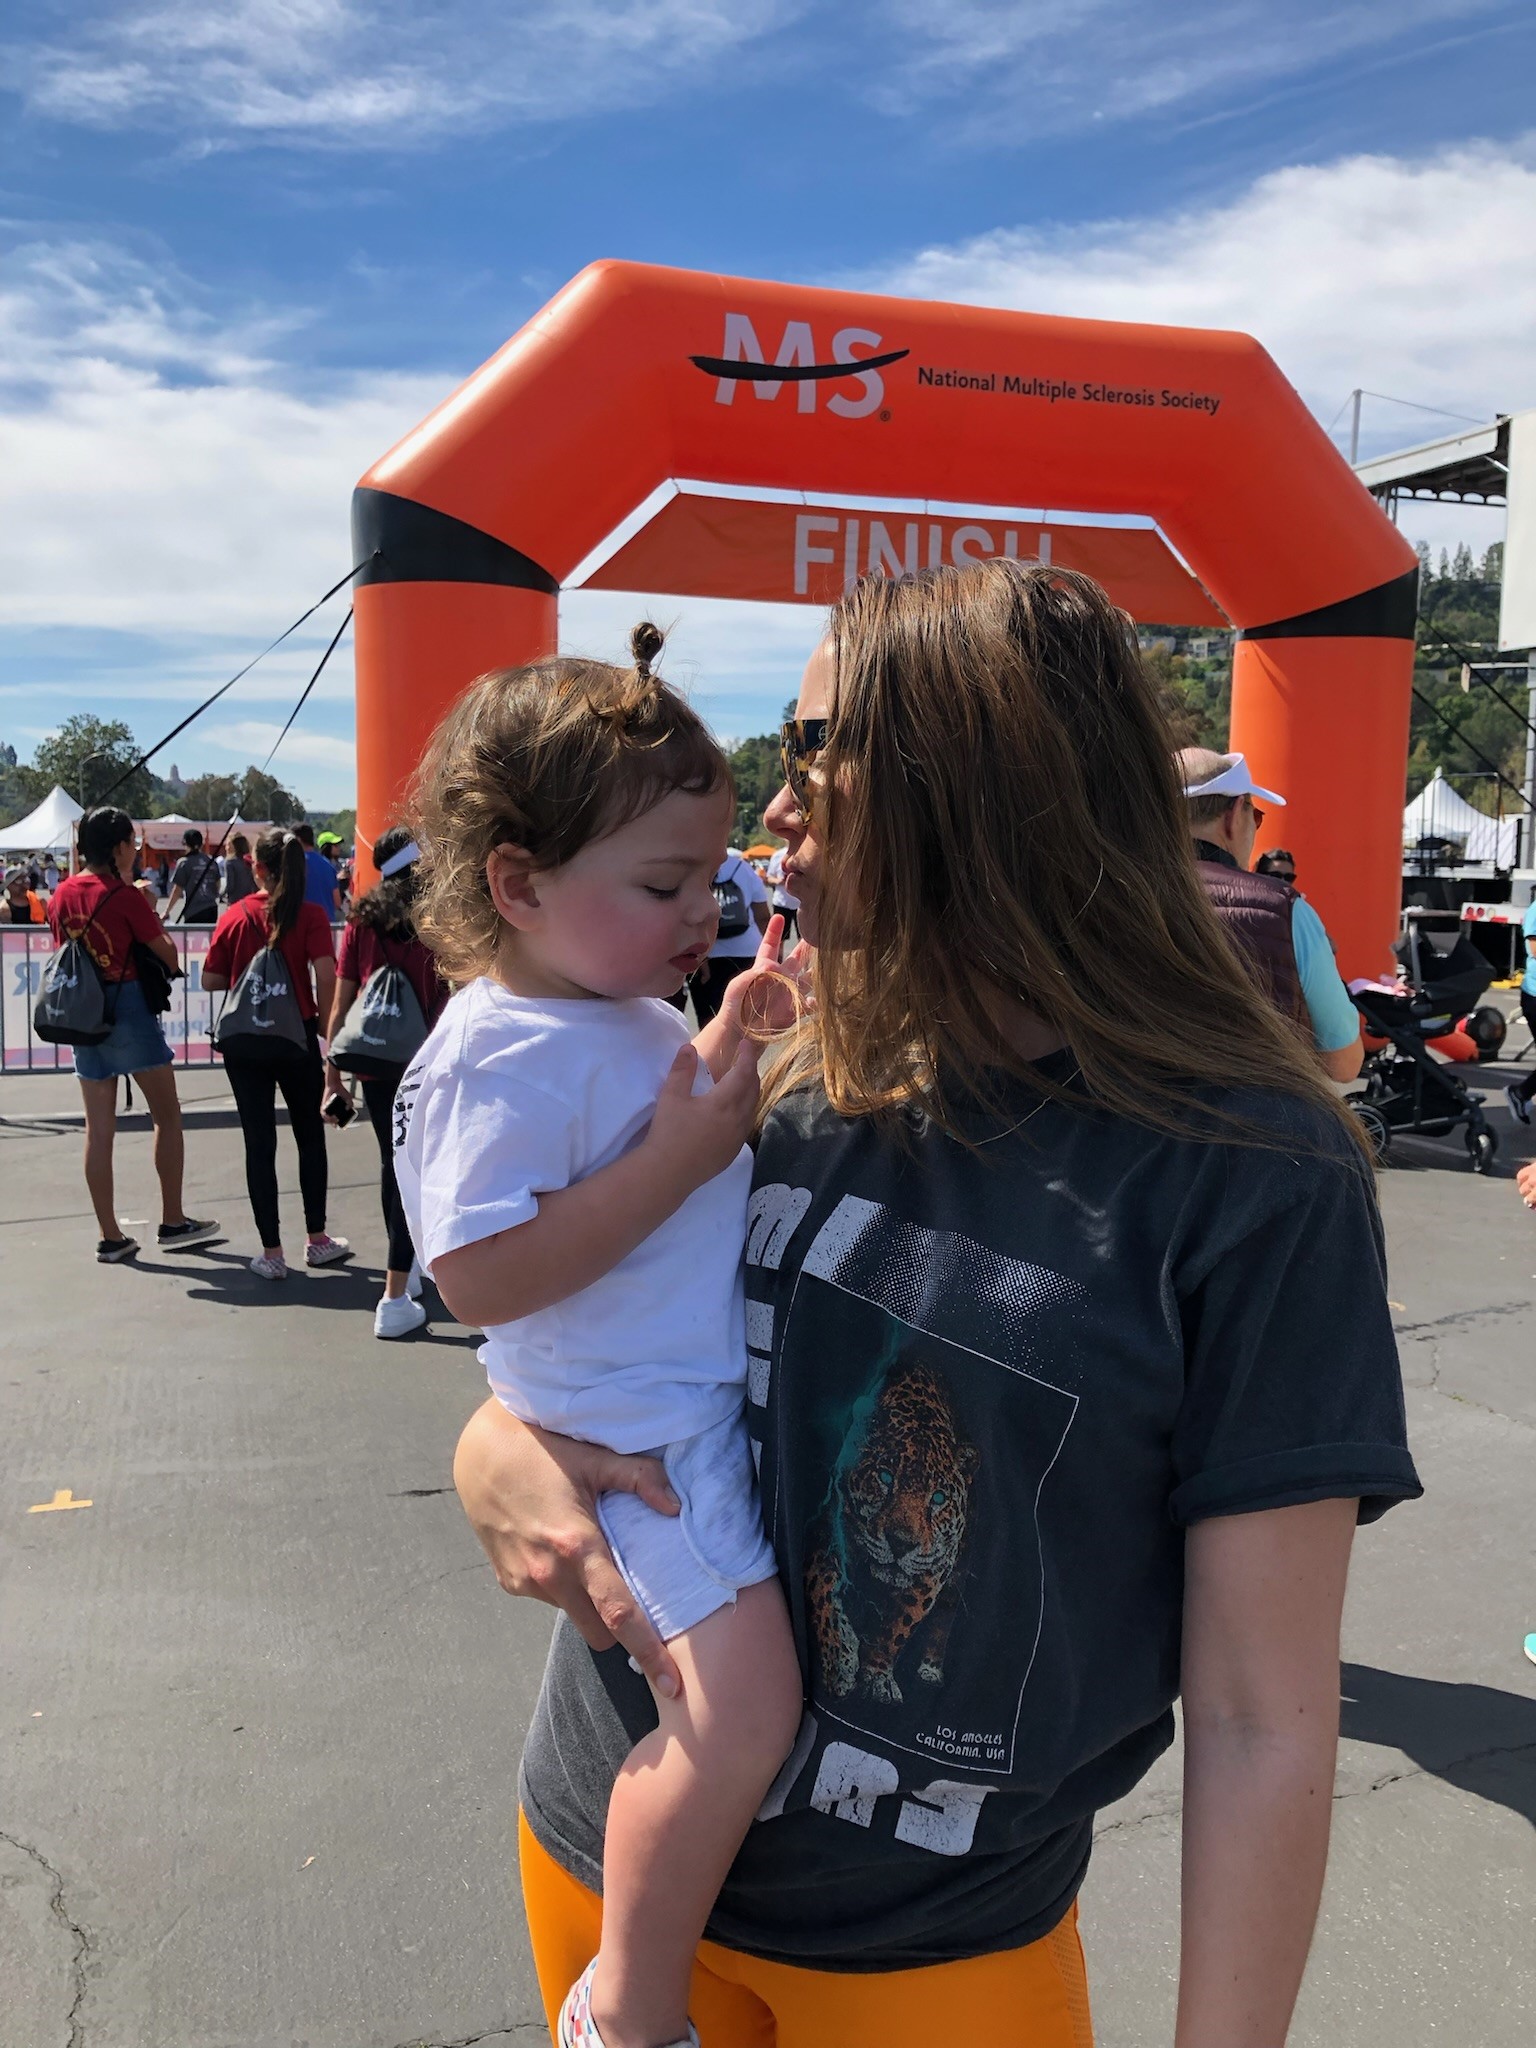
(1277, 931)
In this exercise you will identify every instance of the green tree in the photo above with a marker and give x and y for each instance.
(87, 755)
(256, 794)
(21, 790)
(755, 766)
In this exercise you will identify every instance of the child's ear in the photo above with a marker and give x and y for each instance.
(509, 877)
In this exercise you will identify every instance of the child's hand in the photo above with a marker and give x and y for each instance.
(695, 1137)
(773, 994)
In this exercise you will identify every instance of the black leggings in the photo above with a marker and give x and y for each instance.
(379, 1099)
(254, 1084)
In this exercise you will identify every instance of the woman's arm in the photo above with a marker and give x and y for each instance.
(213, 982)
(530, 1499)
(1263, 1595)
(324, 969)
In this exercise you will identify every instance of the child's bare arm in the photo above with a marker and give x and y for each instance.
(582, 1232)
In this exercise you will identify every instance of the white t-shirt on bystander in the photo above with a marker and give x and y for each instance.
(782, 899)
(743, 945)
(515, 1097)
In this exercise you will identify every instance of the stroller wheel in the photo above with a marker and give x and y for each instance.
(1483, 1145)
(1378, 1132)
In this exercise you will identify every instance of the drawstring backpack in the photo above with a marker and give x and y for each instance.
(734, 916)
(261, 1019)
(71, 1007)
(385, 1026)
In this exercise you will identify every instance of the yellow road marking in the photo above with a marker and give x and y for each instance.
(63, 1499)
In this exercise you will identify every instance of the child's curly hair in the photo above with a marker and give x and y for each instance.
(545, 757)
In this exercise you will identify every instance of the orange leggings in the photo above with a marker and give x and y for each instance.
(1035, 1997)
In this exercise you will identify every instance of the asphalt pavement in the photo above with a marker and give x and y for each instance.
(261, 1701)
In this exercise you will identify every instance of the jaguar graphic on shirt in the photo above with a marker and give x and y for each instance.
(884, 1572)
(912, 1503)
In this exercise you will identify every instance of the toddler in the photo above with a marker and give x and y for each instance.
(575, 1176)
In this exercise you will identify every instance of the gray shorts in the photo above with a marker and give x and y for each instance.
(681, 1568)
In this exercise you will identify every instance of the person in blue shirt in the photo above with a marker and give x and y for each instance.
(1275, 928)
(1519, 1093)
(320, 884)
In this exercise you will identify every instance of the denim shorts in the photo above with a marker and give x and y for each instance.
(134, 1043)
(682, 1567)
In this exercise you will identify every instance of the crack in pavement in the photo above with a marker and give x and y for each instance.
(80, 1939)
(1455, 1763)
(472, 2040)
(1465, 1315)
(1427, 1337)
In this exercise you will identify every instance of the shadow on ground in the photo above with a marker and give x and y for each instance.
(1473, 1736)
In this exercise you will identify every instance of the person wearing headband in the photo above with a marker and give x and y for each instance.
(1279, 934)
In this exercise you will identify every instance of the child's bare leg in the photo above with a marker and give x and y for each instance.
(682, 1804)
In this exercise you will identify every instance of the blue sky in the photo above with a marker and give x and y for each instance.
(248, 245)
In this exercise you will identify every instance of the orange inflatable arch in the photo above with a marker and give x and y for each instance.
(787, 439)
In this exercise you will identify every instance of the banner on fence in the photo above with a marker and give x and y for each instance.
(23, 952)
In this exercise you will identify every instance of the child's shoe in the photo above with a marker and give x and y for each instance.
(578, 2029)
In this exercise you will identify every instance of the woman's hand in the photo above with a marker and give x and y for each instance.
(530, 1497)
(335, 1084)
(695, 1137)
(1525, 1180)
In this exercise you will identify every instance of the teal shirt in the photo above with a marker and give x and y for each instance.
(1335, 1020)
(1528, 926)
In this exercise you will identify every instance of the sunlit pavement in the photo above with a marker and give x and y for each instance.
(261, 1702)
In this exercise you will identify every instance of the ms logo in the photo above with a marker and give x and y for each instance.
(741, 361)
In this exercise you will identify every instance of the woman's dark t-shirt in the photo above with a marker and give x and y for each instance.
(991, 1390)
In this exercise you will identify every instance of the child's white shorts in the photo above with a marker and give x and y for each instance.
(682, 1567)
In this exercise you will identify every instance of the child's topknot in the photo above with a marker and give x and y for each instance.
(645, 644)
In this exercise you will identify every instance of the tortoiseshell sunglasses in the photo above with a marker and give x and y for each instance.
(800, 741)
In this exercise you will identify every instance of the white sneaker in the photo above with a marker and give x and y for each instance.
(413, 1280)
(578, 2029)
(270, 1268)
(325, 1251)
(398, 1316)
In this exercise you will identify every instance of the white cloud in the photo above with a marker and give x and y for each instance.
(391, 72)
(251, 739)
(1014, 70)
(162, 471)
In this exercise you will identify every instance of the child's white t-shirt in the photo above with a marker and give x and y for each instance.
(514, 1097)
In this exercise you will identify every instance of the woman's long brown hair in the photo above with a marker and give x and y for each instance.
(281, 853)
(1000, 824)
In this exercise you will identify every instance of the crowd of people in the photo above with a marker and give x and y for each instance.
(902, 1431)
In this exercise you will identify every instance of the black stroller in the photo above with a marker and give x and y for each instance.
(1406, 1087)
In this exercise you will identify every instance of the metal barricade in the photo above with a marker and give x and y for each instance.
(188, 1024)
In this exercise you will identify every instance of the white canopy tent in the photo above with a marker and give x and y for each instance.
(48, 829)
(1440, 812)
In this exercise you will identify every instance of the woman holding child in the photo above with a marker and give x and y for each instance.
(1034, 1278)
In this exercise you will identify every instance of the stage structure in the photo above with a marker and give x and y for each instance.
(754, 440)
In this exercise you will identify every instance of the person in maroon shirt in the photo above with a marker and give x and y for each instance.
(381, 932)
(102, 908)
(278, 915)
